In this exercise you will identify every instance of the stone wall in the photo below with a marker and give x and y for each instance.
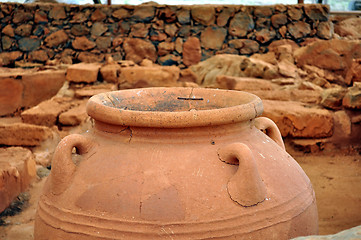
(168, 35)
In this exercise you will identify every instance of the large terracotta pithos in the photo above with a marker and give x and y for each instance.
(176, 163)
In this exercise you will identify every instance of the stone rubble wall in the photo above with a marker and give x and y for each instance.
(167, 35)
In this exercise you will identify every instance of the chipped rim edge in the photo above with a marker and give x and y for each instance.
(182, 119)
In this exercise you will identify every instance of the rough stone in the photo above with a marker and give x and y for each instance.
(224, 15)
(187, 75)
(285, 53)
(83, 72)
(7, 58)
(17, 171)
(38, 56)
(317, 12)
(165, 48)
(75, 115)
(299, 29)
(283, 31)
(356, 119)
(265, 35)
(311, 145)
(57, 13)
(297, 120)
(139, 49)
(244, 83)
(79, 30)
(88, 57)
(232, 65)
(294, 12)
(205, 15)
(171, 29)
(79, 17)
(11, 91)
(167, 14)
(352, 98)
(342, 124)
(8, 30)
(24, 30)
(287, 69)
(40, 16)
(83, 43)
(269, 57)
(21, 16)
(158, 36)
(184, 31)
(184, 16)
(280, 8)
(178, 45)
(22, 134)
(6, 42)
(213, 37)
(29, 44)
(121, 14)
(354, 72)
(349, 27)
(191, 51)
(331, 55)
(103, 43)
(135, 77)
(42, 85)
(91, 90)
(110, 72)
(263, 23)
(144, 13)
(332, 97)
(40, 30)
(57, 38)
(241, 24)
(325, 30)
(98, 29)
(263, 11)
(169, 60)
(47, 112)
(279, 20)
(245, 46)
(117, 41)
(98, 16)
(140, 30)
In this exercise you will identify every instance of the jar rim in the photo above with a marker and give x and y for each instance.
(174, 107)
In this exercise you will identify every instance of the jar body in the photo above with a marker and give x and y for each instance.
(172, 183)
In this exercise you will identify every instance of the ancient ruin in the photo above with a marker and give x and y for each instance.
(303, 62)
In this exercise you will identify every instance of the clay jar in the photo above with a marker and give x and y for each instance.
(176, 163)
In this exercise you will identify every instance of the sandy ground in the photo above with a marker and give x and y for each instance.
(336, 180)
(337, 183)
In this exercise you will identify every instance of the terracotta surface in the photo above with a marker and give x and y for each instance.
(176, 163)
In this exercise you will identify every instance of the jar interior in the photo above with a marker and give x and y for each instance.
(174, 100)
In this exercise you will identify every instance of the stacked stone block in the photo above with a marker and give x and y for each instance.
(161, 33)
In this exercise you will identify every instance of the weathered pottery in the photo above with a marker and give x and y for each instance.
(176, 163)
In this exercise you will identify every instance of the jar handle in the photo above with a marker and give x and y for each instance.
(63, 167)
(246, 186)
(266, 124)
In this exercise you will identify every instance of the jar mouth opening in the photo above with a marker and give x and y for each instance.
(173, 107)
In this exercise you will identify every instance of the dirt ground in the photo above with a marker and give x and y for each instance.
(336, 179)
